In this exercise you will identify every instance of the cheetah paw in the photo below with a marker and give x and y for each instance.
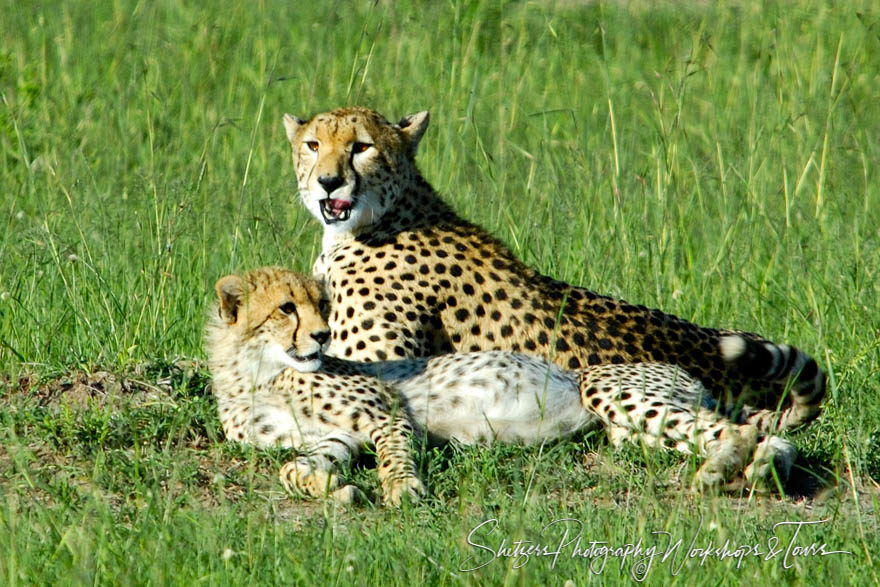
(348, 495)
(408, 489)
(299, 478)
(726, 460)
(772, 454)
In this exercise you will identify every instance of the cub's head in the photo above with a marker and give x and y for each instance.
(351, 163)
(266, 321)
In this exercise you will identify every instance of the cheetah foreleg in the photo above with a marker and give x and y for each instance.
(396, 467)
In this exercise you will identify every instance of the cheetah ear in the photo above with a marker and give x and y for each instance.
(291, 125)
(413, 127)
(230, 293)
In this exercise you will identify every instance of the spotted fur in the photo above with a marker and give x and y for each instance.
(407, 277)
(272, 390)
(264, 343)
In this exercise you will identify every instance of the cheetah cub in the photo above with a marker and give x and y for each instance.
(264, 345)
(275, 388)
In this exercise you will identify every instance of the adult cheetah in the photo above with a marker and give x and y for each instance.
(408, 277)
(274, 388)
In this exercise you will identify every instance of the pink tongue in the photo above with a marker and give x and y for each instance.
(339, 205)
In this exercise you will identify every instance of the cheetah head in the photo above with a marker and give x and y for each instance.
(270, 319)
(351, 164)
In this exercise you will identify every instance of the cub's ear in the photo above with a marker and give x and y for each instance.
(413, 127)
(291, 125)
(230, 292)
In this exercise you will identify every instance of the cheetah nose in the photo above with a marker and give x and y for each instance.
(330, 182)
(321, 337)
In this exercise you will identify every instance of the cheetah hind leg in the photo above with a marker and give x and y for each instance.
(667, 413)
(724, 458)
(660, 406)
(726, 455)
(313, 476)
(740, 459)
(769, 460)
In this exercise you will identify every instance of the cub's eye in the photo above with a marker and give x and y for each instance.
(323, 306)
(288, 308)
(313, 146)
(360, 147)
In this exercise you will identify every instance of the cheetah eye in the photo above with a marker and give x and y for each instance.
(323, 306)
(288, 308)
(313, 146)
(360, 147)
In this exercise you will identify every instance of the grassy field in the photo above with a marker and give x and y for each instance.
(717, 161)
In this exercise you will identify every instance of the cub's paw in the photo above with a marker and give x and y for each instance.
(407, 489)
(348, 495)
(307, 477)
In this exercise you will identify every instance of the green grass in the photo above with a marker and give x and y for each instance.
(716, 161)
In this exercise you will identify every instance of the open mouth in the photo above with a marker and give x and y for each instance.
(335, 210)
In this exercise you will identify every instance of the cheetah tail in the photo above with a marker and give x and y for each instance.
(779, 363)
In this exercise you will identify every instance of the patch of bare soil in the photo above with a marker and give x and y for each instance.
(79, 390)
